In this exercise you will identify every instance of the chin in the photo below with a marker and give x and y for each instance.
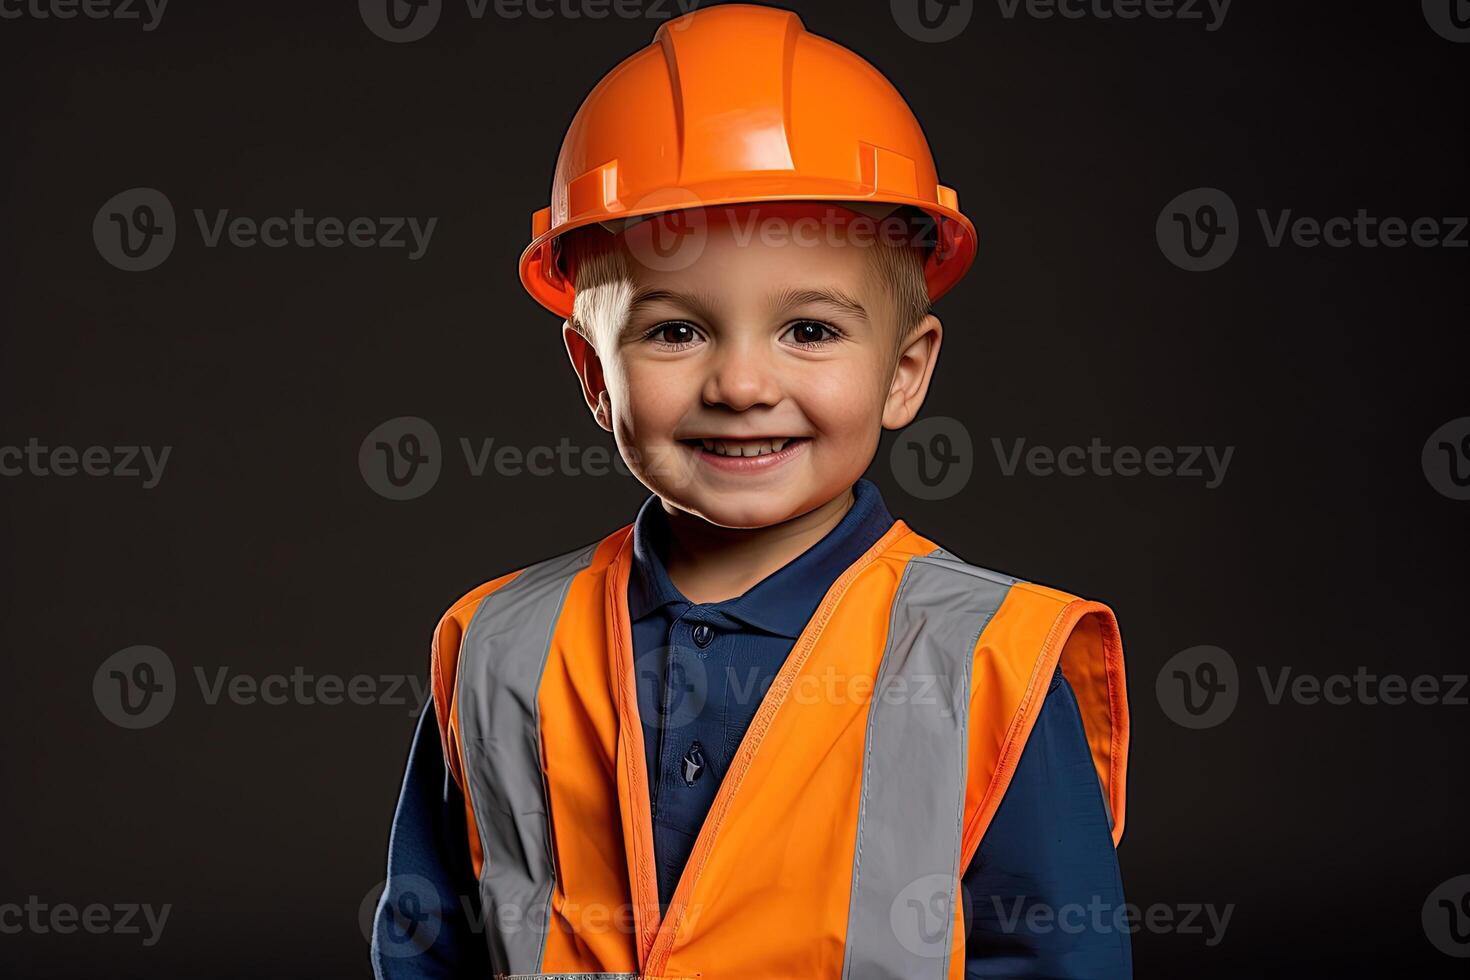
(751, 508)
(743, 518)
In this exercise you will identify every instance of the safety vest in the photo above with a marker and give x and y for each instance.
(835, 844)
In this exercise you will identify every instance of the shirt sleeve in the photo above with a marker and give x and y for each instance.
(1043, 894)
(425, 922)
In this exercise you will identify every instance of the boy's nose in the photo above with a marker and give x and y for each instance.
(740, 378)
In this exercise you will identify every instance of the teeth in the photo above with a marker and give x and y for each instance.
(744, 447)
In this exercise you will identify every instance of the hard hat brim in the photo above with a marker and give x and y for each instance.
(946, 265)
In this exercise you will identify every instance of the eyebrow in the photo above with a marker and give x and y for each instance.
(699, 302)
(828, 296)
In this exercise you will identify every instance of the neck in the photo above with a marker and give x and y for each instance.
(709, 563)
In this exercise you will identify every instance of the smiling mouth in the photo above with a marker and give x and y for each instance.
(744, 447)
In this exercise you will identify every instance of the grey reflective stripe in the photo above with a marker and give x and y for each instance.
(500, 664)
(905, 871)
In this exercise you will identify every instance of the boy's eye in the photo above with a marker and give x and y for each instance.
(810, 332)
(673, 333)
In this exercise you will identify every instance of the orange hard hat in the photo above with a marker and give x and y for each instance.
(733, 104)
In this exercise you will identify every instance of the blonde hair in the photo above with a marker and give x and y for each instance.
(592, 257)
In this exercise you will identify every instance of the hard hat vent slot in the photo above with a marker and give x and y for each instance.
(594, 191)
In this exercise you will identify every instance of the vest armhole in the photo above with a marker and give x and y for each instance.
(1092, 662)
(1034, 631)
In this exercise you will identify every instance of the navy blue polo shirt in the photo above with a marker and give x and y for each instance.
(1032, 893)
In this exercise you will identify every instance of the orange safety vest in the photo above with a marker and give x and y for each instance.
(835, 844)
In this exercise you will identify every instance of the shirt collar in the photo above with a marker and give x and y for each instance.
(783, 601)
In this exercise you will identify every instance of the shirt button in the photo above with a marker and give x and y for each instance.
(703, 635)
(693, 763)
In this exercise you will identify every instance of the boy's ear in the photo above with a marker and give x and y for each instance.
(911, 373)
(589, 371)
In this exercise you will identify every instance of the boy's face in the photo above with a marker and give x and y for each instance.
(751, 384)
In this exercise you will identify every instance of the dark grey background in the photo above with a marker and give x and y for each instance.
(263, 548)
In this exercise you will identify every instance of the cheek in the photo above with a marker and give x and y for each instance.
(844, 401)
(649, 399)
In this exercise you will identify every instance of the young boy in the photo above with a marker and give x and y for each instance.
(766, 730)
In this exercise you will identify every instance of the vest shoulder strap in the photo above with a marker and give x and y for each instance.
(542, 577)
(1030, 631)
